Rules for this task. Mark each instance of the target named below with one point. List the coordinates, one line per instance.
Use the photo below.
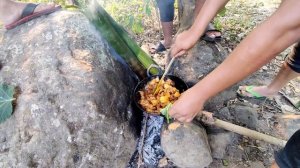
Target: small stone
(246, 115)
(56, 123)
(218, 143)
(115, 130)
(287, 108)
(163, 162)
(223, 113)
(265, 68)
(256, 164)
(69, 139)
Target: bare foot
(17, 8)
(262, 91)
(213, 34)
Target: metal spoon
(163, 76)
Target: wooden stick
(163, 76)
(242, 130)
(249, 133)
(290, 116)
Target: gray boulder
(71, 109)
(186, 145)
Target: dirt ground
(277, 116)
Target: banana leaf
(120, 40)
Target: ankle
(167, 43)
(272, 90)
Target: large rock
(186, 145)
(71, 108)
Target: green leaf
(148, 10)
(120, 40)
(71, 7)
(165, 112)
(222, 12)
(225, 162)
(131, 21)
(297, 104)
(6, 98)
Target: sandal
(209, 38)
(159, 48)
(29, 14)
(249, 89)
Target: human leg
(289, 156)
(11, 11)
(289, 70)
(166, 10)
(211, 34)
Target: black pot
(179, 84)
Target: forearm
(206, 14)
(267, 40)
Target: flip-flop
(159, 48)
(253, 94)
(206, 37)
(29, 14)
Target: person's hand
(187, 107)
(183, 42)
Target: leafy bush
(130, 14)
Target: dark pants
(294, 59)
(289, 156)
(166, 10)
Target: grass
(241, 17)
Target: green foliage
(217, 20)
(130, 14)
(6, 98)
(239, 18)
(297, 105)
(165, 112)
(225, 162)
(61, 2)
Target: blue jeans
(289, 156)
(166, 10)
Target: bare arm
(259, 47)
(206, 14)
(188, 39)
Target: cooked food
(154, 102)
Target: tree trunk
(185, 13)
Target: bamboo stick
(249, 133)
(207, 118)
